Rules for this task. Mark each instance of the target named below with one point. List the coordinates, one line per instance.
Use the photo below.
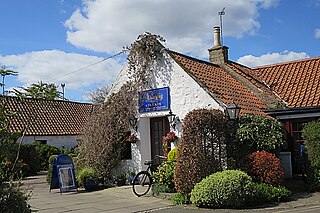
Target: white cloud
(271, 58)
(55, 66)
(107, 26)
(317, 33)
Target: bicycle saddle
(148, 162)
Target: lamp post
(232, 112)
(171, 118)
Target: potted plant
(88, 178)
(121, 179)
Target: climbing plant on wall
(103, 140)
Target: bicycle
(142, 182)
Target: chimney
(218, 54)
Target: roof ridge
(194, 59)
(285, 62)
(45, 100)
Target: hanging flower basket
(132, 139)
(166, 140)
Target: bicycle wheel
(141, 183)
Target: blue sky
(51, 40)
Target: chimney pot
(218, 54)
(216, 37)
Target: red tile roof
(296, 82)
(43, 117)
(223, 87)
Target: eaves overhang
(294, 113)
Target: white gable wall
(186, 95)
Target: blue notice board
(63, 175)
(154, 100)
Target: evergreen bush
(180, 199)
(226, 189)
(264, 167)
(267, 193)
(255, 133)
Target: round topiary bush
(226, 189)
(264, 167)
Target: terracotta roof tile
(296, 82)
(222, 86)
(45, 117)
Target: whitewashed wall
(186, 95)
(67, 141)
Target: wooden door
(159, 127)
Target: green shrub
(44, 152)
(180, 199)
(264, 167)
(255, 133)
(311, 132)
(29, 154)
(158, 188)
(86, 173)
(12, 200)
(266, 192)
(226, 189)
(172, 155)
(163, 176)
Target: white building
(183, 84)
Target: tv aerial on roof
(221, 13)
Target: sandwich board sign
(63, 175)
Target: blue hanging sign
(63, 175)
(154, 100)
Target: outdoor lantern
(171, 118)
(133, 123)
(233, 111)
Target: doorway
(159, 127)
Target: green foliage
(44, 152)
(40, 90)
(86, 173)
(164, 176)
(255, 133)
(311, 133)
(201, 149)
(226, 189)
(180, 199)
(51, 158)
(29, 154)
(172, 155)
(268, 193)
(264, 167)
(6, 72)
(158, 188)
(12, 200)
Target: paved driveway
(118, 199)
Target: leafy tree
(99, 95)
(5, 72)
(40, 90)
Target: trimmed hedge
(226, 189)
